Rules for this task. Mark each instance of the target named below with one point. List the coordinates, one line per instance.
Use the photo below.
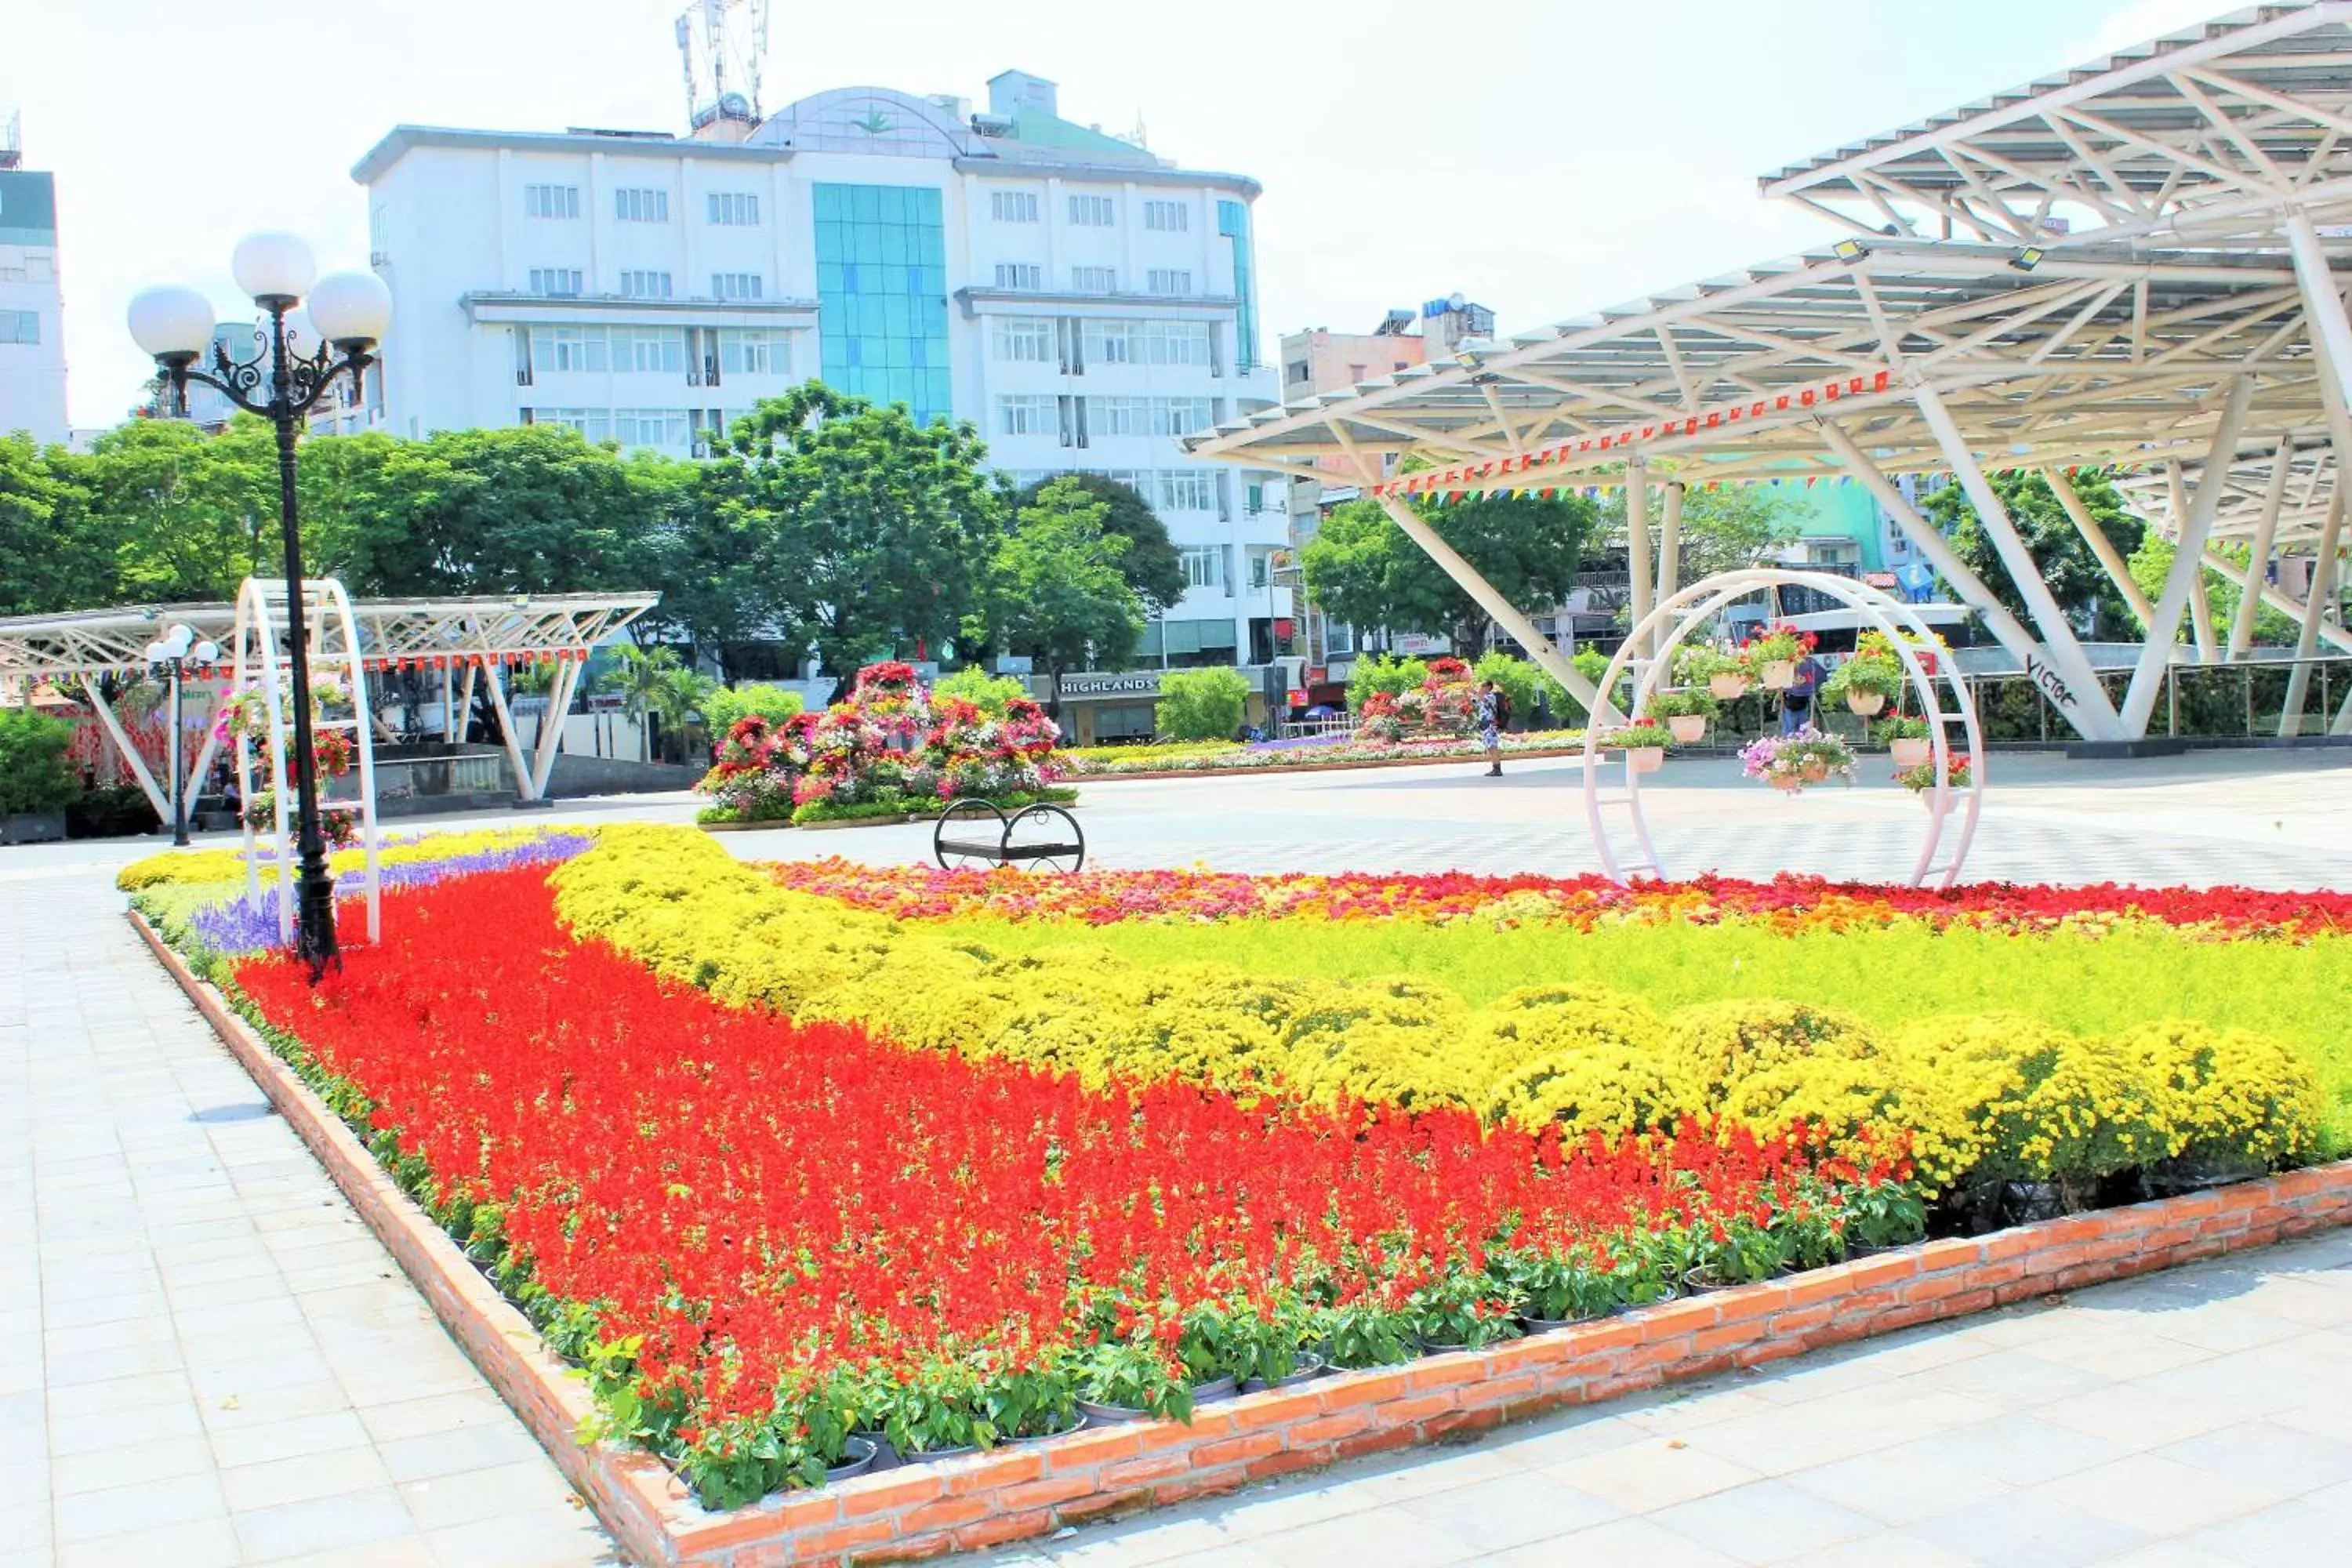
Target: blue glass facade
(1233, 222)
(882, 296)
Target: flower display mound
(758, 1236)
(1445, 705)
(891, 747)
(1189, 757)
(1235, 1006)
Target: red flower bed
(758, 1236)
(1103, 897)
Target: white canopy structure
(2190, 321)
(456, 636)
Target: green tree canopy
(1056, 592)
(2076, 580)
(1151, 563)
(533, 508)
(2151, 564)
(1722, 529)
(1362, 569)
(55, 553)
(870, 532)
(195, 514)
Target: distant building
(1082, 301)
(32, 304)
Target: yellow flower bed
(228, 865)
(2002, 1095)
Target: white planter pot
(1688, 728)
(1779, 675)
(1909, 754)
(1646, 759)
(1866, 703)
(1727, 688)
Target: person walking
(1493, 712)
(1797, 702)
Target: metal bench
(973, 832)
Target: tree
(2075, 578)
(2151, 564)
(1362, 569)
(988, 692)
(195, 514)
(1721, 530)
(723, 706)
(1202, 704)
(1056, 592)
(533, 508)
(654, 684)
(55, 553)
(1151, 565)
(868, 531)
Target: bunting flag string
(1450, 482)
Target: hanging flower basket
(1725, 674)
(1686, 714)
(1779, 674)
(1773, 653)
(1791, 762)
(1910, 753)
(1688, 729)
(1868, 704)
(1921, 780)
(1728, 687)
(1643, 743)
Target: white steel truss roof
(2098, 354)
(101, 642)
(2209, 131)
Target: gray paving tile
(1765, 1520)
(1511, 1510)
(2028, 1527)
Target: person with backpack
(1493, 712)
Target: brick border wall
(990, 1499)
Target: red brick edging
(988, 1498)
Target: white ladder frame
(1694, 607)
(334, 648)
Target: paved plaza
(207, 1359)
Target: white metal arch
(1694, 607)
(332, 648)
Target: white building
(32, 337)
(1080, 300)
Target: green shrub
(975, 684)
(33, 773)
(1202, 704)
(1383, 673)
(723, 705)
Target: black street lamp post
(174, 651)
(281, 382)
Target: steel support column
(2118, 572)
(147, 785)
(2241, 628)
(526, 782)
(1465, 577)
(2007, 630)
(2061, 656)
(1638, 598)
(2315, 605)
(2187, 562)
(2323, 306)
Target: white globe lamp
(272, 267)
(171, 322)
(351, 310)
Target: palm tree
(654, 684)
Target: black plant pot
(857, 1457)
(1309, 1369)
(1078, 1418)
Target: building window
(1298, 371)
(1019, 275)
(734, 209)
(1170, 217)
(1090, 212)
(644, 285)
(20, 326)
(649, 350)
(1170, 280)
(556, 282)
(735, 285)
(1186, 489)
(652, 426)
(1204, 567)
(754, 352)
(1190, 644)
(1149, 415)
(882, 295)
(551, 201)
(568, 349)
(596, 424)
(1027, 415)
(1012, 206)
(1233, 223)
(641, 204)
(1026, 338)
(1108, 341)
(1094, 279)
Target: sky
(1555, 157)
